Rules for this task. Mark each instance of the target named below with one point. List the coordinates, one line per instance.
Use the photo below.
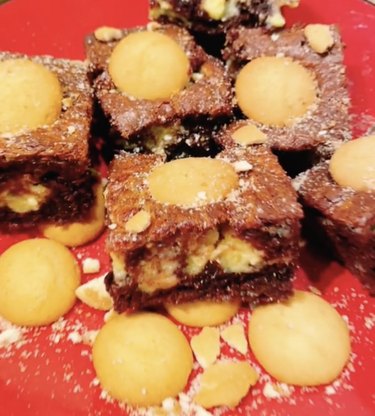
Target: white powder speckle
(10, 336)
(242, 166)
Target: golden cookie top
(30, 96)
(353, 164)
(149, 65)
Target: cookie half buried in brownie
(291, 85)
(45, 115)
(155, 77)
(339, 197)
(201, 228)
(208, 20)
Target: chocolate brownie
(315, 134)
(216, 17)
(239, 238)
(45, 173)
(343, 217)
(208, 20)
(206, 95)
(179, 139)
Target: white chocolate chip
(138, 222)
(197, 76)
(214, 8)
(67, 102)
(319, 37)
(107, 34)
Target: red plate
(49, 374)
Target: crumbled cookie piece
(249, 134)
(225, 383)
(319, 37)
(234, 335)
(94, 294)
(138, 222)
(206, 346)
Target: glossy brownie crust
(208, 95)
(345, 217)
(56, 156)
(263, 212)
(326, 124)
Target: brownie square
(208, 93)
(343, 217)
(53, 160)
(209, 20)
(325, 125)
(244, 246)
(212, 18)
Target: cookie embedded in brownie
(201, 228)
(291, 85)
(45, 173)
(156, 77)
(339, 199)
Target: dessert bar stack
(45, 169)
(201, 228)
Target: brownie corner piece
(45, 172)
(325, 123)
(341, 220)
(239, 239)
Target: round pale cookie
(203, 313)
(142, 359)
(38, 279)
(302, 341)
(275, 91)
(249, 134)
(79, 233)
(149, 65)
(192, 181)
(353, 164)
(30, 96)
